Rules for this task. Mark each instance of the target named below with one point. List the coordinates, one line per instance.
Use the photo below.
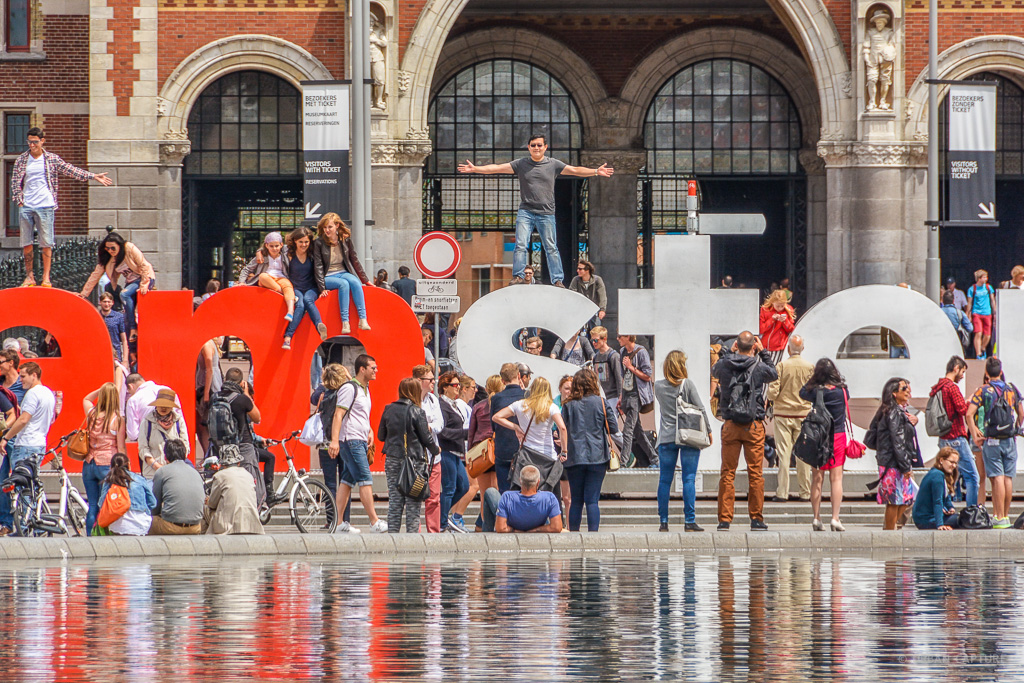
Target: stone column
(817, 227)
(613, 223)
(398, 199)
(144, 204)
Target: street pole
(932, 264)
(359, 103)
(367, 87)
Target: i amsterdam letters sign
(325, 143)
(972, 154)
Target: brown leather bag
(480, 457)
(78, 444)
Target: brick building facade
(114, 83)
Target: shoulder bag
(613, 461)
(312, 433)
(854, 449)
(480, 457)
(691, 425)
(815, 445)
(78, 444)
(550, 469)
(413, 475)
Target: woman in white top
(535, 414)
(269, 269)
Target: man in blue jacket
(506, 443)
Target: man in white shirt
(432, 407)
(140, 394)
(351, 436)
(37, 414)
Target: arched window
(247, 123)
(486, 113)
(722, 117)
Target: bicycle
(32, 513)
(310, 503)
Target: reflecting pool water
(763, 618)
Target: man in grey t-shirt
(537, 175)
(179, 492)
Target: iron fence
(73, 260)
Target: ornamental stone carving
(622, 160)
(408, 152)
(403, 80)
(880, 51)
(172, 153)
(912, 154)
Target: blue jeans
(129, 297)
(968, 468)
(688, 459)
(332, 467)
(501, 471)
(305, 303)
(454, 484)
(36, 219)
(526, 221)
(948, 520)
(346, 283)
(356, 471)
(92, 478)
(489, 509)
(585, 487)
(6, 516)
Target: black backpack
(221, 421)
(1001, 418)
(741, 399)
(815, 445)
(329, 403)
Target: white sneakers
(380, 527)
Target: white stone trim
(988, 53)
(236, 53)
(555, 57)
(763, 51)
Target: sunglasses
(453, 384)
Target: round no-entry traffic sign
(437, 255)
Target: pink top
(102, 444)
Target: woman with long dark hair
(137, 520)
(117, 257)
(837, 401)
(586, 459)
(336, 267)
(307, 289)
(893, 435)
(404, 431)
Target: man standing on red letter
(34, 190)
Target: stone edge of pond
(955, 542)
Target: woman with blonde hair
(106, 429)
(332, 378)
(677, 383)
(536, 414)
(269, 269)
(778, 319)
(336, 266)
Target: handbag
(78, 444)
(854, 449)
(312, 433)
(413, 477)
(691, 424)
(480, 457)
(975, 517)
(550, 470)
(371, 451)
(815, 444)
(614, 463)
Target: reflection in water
(764, 618)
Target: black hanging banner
(325, 147)
(972, 155)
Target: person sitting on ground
(180, 497)
(933, 507)
(336, 266)
(163, 425)
(269, 269)
(525, 511)
(231, 507)
(137, 520)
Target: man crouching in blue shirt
(523, 511)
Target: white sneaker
(346, 328)
(363, 325)
(379, 527)
(346, 528)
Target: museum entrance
(997, 250)
(734, 128)
(242, 178)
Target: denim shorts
(353, 457)
(36, 219)
(1000, 456)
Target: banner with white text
(972, 154)
(325, 147)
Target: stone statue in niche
(378, 62)
(879, 57)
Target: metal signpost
(437, 255)
(325, 128)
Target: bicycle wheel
(76, 518)
(266, 512)
(312, 512)
(24, 515)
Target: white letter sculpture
(485, 334)
(925, 329)
(682, 313)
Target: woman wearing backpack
(837, 401)
(137, 520)
(106, 429)
(676, 383)
(404, 431)
(333, 377)
(894, 439)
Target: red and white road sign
(437, 255)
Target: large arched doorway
(243, 176)
(487, 112)
(997, 250)
(735, 129)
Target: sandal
(46, 283)
(28, 282)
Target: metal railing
(73, 260)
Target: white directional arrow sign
(311, 213)
(987, 212)
(731, 224)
